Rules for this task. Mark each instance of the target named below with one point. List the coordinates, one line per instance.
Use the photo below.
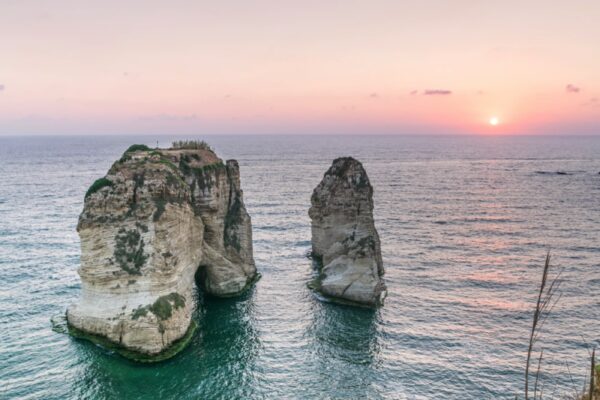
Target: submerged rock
(345, 243)
(553, 173)
(157, 220)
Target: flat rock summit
(345, 243)
(157, 223)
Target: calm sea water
(464, 223)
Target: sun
(494, 121)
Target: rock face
(345, 243)
(157, 221)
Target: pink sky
(193, 67)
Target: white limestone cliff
(156, 219)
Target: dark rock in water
(344, 239)
(553, 173)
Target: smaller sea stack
(345, 243)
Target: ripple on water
(464, 223)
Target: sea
(465, 225)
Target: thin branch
(592, 372)
(572, 381)
(537, 375)
(587, 345)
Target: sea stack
(345, 243)
(159, 221)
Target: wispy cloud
(414, 92)
(374, 95)
(437, 92)
(1, 87)
(570, 88)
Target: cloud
(570, 88)
(437, 92)
(374, 95)
(1, 88)
(414, 92)
(593, 102)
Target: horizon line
(112, 134)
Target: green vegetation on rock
(183, 164)
(203, 178)
(164, 305)
(97, 185)
(176, 347)
(137, 147)
(129, 251)
(139, 312)
(134, 147)
(160, 208)
(191, 145)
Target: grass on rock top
(97, 185)
(191, 145)
(137, 147)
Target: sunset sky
(199, 67)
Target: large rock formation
(157, 220)
(345, 243)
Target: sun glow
(494, 121)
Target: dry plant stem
(575, 392)
(537, 375)
(592, 373)
(536, 317)
(543, 308)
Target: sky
(299, 67)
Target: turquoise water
(464, 223)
